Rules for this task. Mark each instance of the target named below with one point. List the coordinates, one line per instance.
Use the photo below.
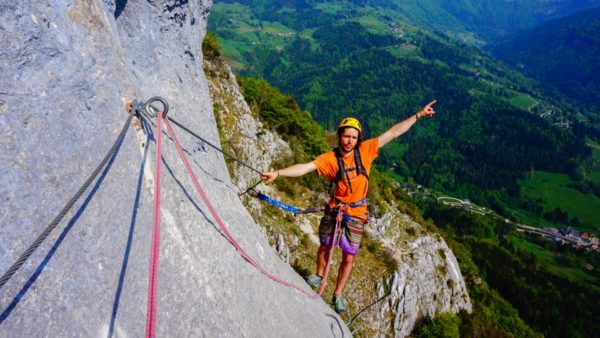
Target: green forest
(484, 248)
(482, 141)
(492, 314)
(501, 138)
(557, 304)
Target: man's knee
(347, 259)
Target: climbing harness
(38, 241)
(355, 204)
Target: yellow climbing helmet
(350, 122)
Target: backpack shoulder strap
(360, 169)
(340, 161)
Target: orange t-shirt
(327, 166)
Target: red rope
(334, 242)
(155, 244)
(230, 237)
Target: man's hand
(427, 111)
(292, 171)
(269, 176)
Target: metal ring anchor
(151, 110)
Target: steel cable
(21, 260)
(213, 146)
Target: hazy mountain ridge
(487, 20)
(563, 54)
(490, 19)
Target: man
(349, 166)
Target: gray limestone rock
(65, 68)
(282, 249)
(428, 280)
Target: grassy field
(331, 7)
(551, 261)
(531, 219)
(594, 175)
(276, 27)
(595, 148)
(554, 190)
(406, 51)
(374, 24)
(522, 101)
(243, 32)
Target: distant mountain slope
(341, 61)
(563, 53)
(490, 19)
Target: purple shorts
(350, 235)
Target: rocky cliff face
(65, 68)
(428, 280)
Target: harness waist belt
(354, 204)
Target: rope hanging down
(155, 243)
(230, 237)
(38, 241)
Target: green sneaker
(340, 305)
(314, 281)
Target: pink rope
(230, 237)
(155, 244)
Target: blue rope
(278, 204)
(295, 211)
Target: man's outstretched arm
(405, 125)
(291, 171)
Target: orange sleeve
(369, 149)
(326, 165)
